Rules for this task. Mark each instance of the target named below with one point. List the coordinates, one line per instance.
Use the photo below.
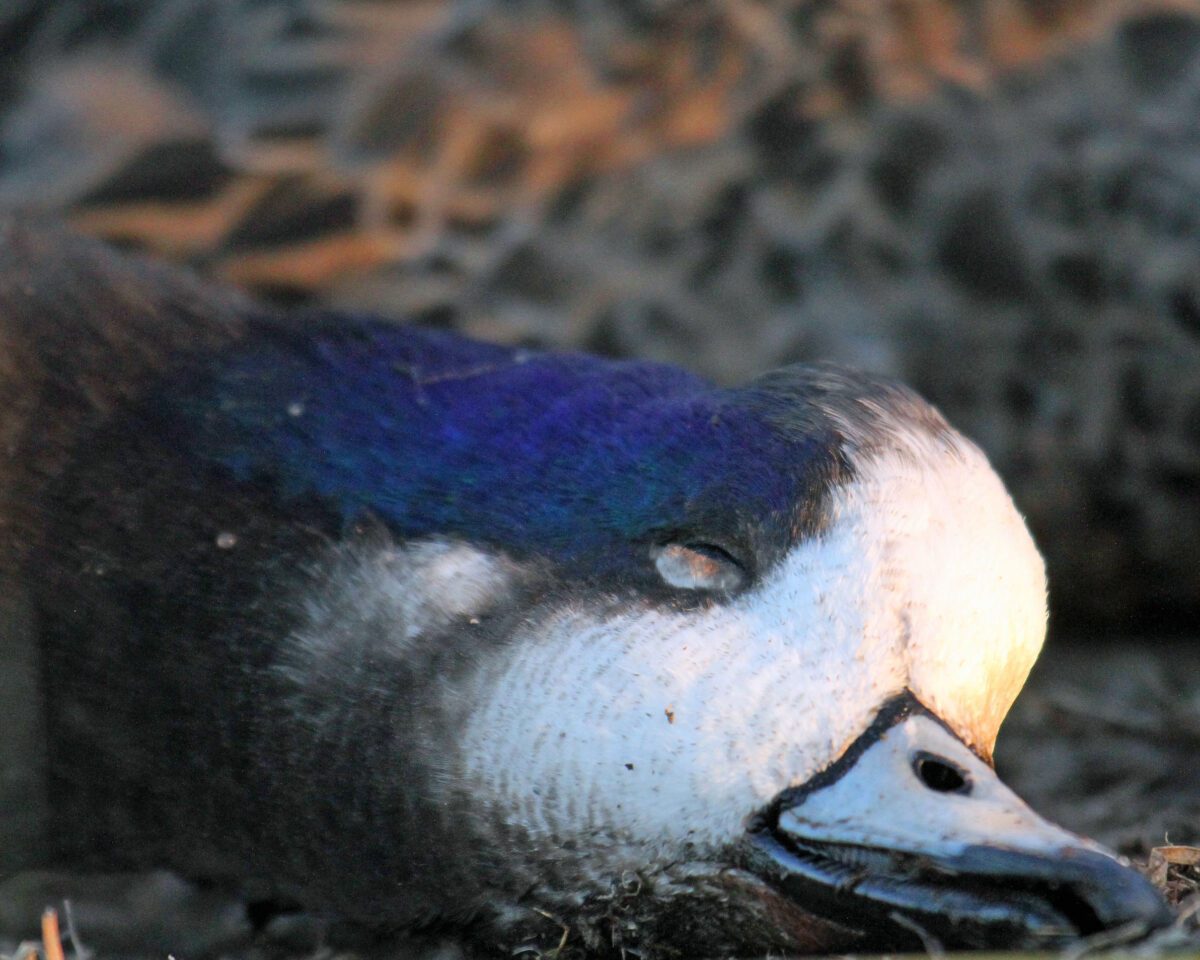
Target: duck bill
(911, 838)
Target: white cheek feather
(449, 581)
(662, 727)
(415, 589)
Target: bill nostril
(940, 774)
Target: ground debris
(1175, 870)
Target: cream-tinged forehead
(664, 725)
(962, 569)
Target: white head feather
(626, 725)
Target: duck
(422, 632)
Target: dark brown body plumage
(81, 329)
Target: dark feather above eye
(699, 566)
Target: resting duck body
(419, 630)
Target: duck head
(805, 730)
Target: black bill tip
(1094, 892)
(984, 897)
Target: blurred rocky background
(996, 200)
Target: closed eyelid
(698, 567)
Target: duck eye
(698, 566)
